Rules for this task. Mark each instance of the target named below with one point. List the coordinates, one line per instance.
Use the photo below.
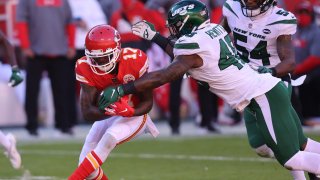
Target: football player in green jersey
(205, 52)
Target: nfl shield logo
(128, 77)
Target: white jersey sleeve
(228, 11)
(284, 21)
(187, 45)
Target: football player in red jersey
(105, 65)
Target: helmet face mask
(174, 28)
(255, 8)
(186, 16)
(105, 62)
(102, 49)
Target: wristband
(274, 72)
(15, 68)
(161, 41)
(129, 88)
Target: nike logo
(125, 110)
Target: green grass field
(194, 158)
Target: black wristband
(129, 88)
(274, 72)
(161, 41)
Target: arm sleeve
(224, 9)
(287, 26)
(227, 9)
(187, 46)
(143, 64)
(71, 33)
(80, 74)
(23, 34)
(307, 65)
(21, 24)
(70, 26)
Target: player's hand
(109, 96)
(15, 78)
(144, 29)
(120, 108)
(262, 70)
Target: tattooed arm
(174, 71)
(88, 103)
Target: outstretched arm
(157, 78)
(154, 79)
(146, 30)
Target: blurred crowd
(50, 38)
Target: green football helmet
(186, 16)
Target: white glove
(144, 29)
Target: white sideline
(154, 156)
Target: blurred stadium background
(194, 154)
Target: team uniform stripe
(93, 161)
(289, 21)
(100, 174)
(230, 9)
(81, 78)
(96, 157)
(144, 68)
(187, 46)
(267, 116)
(136, 132)
(82, 61)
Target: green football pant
(276, 124)
(254, 135)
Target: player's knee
(91, 139)
(111, 141)
(105, 146)
(295, 162)
(264, 151)
(107, 142)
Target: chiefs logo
(128, 77)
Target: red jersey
(132, 64)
